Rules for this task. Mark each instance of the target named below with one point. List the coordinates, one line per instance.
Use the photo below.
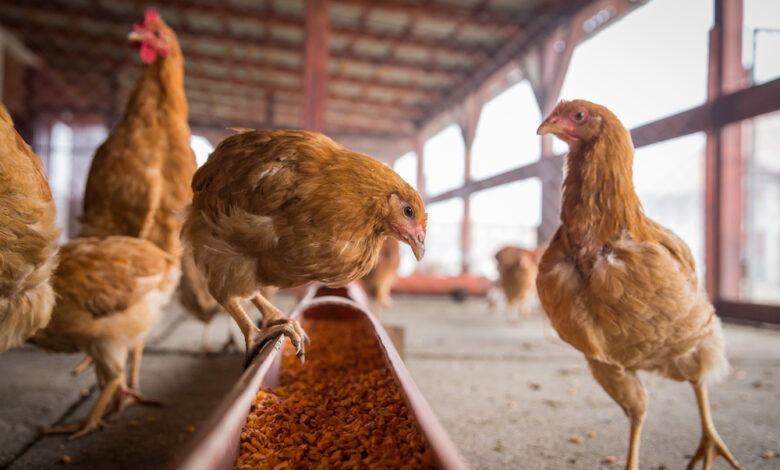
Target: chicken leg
(94, 419)
(711, 444)
(627, 390)
(274, 324)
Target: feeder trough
(217, 445)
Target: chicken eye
(409, 212)
(579, 116)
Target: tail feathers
(24, 314)
(706, 362)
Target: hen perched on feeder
(284, 208)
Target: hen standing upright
(139, 180)
(284, 208)
(110, 292)
(140, 176)
(621, 288)
(28, 239)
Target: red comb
(560, 103)
(151, 16)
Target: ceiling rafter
(271, 47)
(123, 21)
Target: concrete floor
(508, 397)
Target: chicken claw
(271, 331)
(710, 447)
(126, 395)
(77, 429)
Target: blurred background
(449, 93)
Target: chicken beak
(134, 36)
(549, 126)
(418, 247)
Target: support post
(468, 121)
(723, 159)
(315, 68)
(418, 143)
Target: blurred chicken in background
(28, 239)
(379, 280)
(139, 180)
(621, 288)
(517, 268)
(109, 293)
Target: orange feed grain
(341, 410)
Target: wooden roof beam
(315, 65)
(118, 21)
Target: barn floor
(508, 397)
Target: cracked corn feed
(341, 410)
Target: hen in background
(28, 239)
(380, 279)
(621, 288)
(139, 180)
(517, 268)
(284, 208)
(110, 292)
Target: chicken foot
(94, 419)
(274, 324)
(127, 395)
(711, 444)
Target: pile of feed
(341, 410)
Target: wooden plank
(517, 174)
(748, 311)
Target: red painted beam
(315, 67)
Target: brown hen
(28, 239)
(284, 208)
(139, 180)
(517, 269)
(110, 292)
(380, 279)
(140, 176)
(621, 288)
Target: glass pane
(762, 224)
(60, 173)
(669, 179)
(506, 135)
(761, 39)
(444, 161)
(442, 243)
(648, 65)
(202, 148)
(406, 167)
(505, 215)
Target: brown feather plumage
(28, 239)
